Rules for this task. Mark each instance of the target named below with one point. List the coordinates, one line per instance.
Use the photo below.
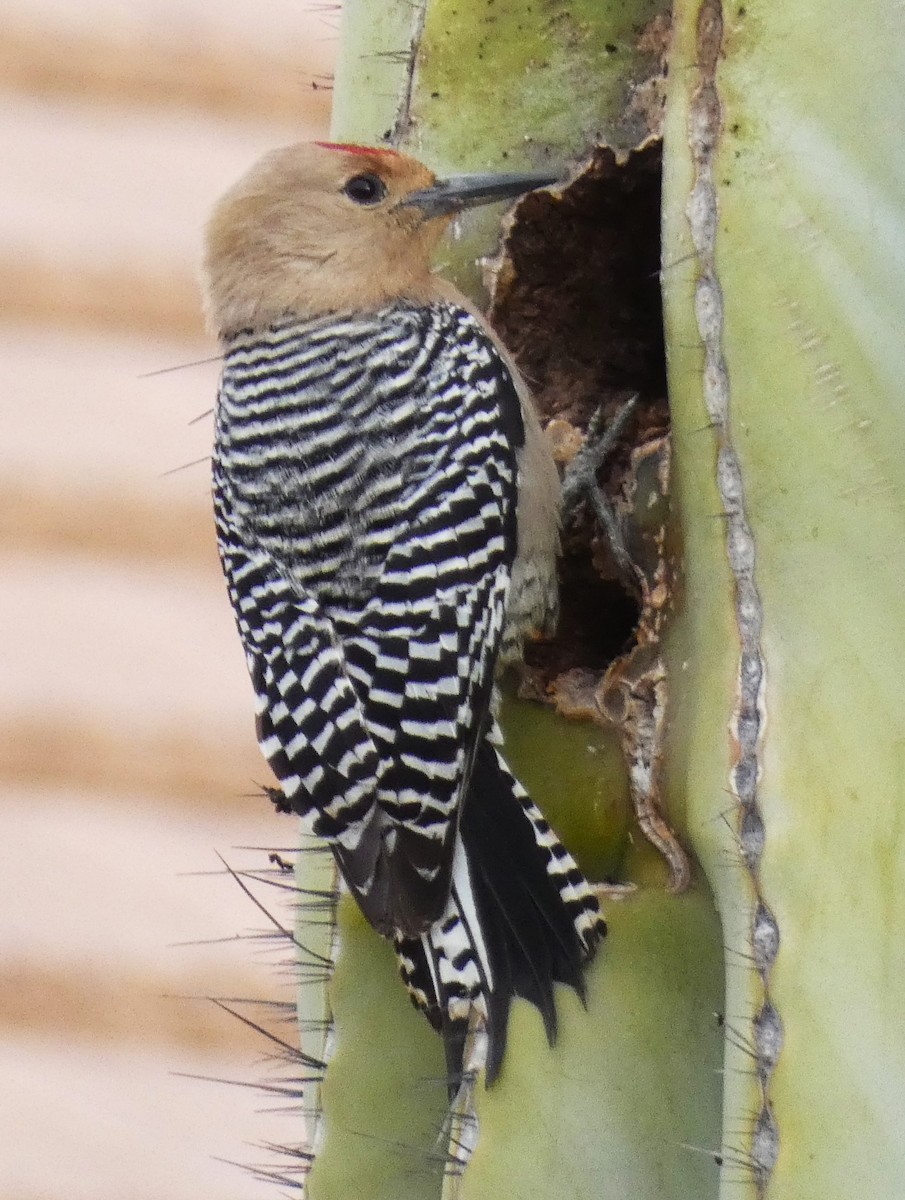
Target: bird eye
(365, 189)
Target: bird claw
(613, 891)
(580, 480)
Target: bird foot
(580, 480)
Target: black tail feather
(534, 938)
(525, 916)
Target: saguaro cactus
(745, 1038)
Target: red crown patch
(351, 148)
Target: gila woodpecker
(387, 516)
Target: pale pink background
(126, 750)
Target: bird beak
(451, 195)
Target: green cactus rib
(624, 1105)
(383, 1098)
(727, 653)
(799, 255)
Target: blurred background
(127, 758)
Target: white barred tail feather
(520, 918)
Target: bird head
(320, 227)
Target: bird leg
(580, 480)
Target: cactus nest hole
(577, 300)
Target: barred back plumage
(365, 488)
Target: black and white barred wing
(370, 720)
(310, 722)
(372, 683)
(422, 654)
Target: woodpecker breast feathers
(387, 518)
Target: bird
(387, 516)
